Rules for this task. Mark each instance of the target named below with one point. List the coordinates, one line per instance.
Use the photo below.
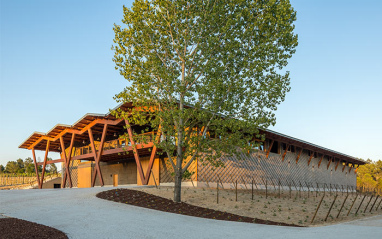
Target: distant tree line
(369, 176)
(25, 166)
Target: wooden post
(319, 204)
(300, 189)
(252, 189)
(368, 203)
(44, 164)
(217, 192)
(327, 215)
(35, 167)
(374, 203)
(360, 204)
(236, 189)
(308, 188)
(255, 183)
(352, 204)
(342, 205)
(317, 189)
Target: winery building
(93, 154)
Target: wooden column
(97, 155)
(152, 157)
(36, 167)
(67, 160)
(135, 151)
(44, 165)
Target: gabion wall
(73, 168)
(273, 170)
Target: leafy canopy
(204, 69)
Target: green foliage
(26, 166)
(29, 166)
(52, 168)
(370, 175)
(12, 167)
(208, 73)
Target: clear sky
(56, 65)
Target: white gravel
(80, 214)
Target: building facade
(93, 154)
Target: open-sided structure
(91, 148)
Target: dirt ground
(297, 208)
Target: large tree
(208, 73)
(12, 167)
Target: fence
(327, 202)
(7, 179)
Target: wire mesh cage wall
(73, 169)
(275, 171)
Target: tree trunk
(178, 186)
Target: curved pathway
(80, 214)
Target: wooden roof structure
(104, 127)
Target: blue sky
(55, 66)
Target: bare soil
(142, 199)
(13, 228)
(295, 208)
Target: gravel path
(80, 214)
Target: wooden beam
(269, 148)
(52, 161)
(114, 151)
(67, 160)
(298, 156)
(350, 168)
(78, 132)
(286, 149)
(337, 165)
(135, 151)
(36, 167)
(97, 155)
(67, 171)
(152, 157)
(311, 156)
(44, 165)
(319, 163)
(343, 168)
(330, 160)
